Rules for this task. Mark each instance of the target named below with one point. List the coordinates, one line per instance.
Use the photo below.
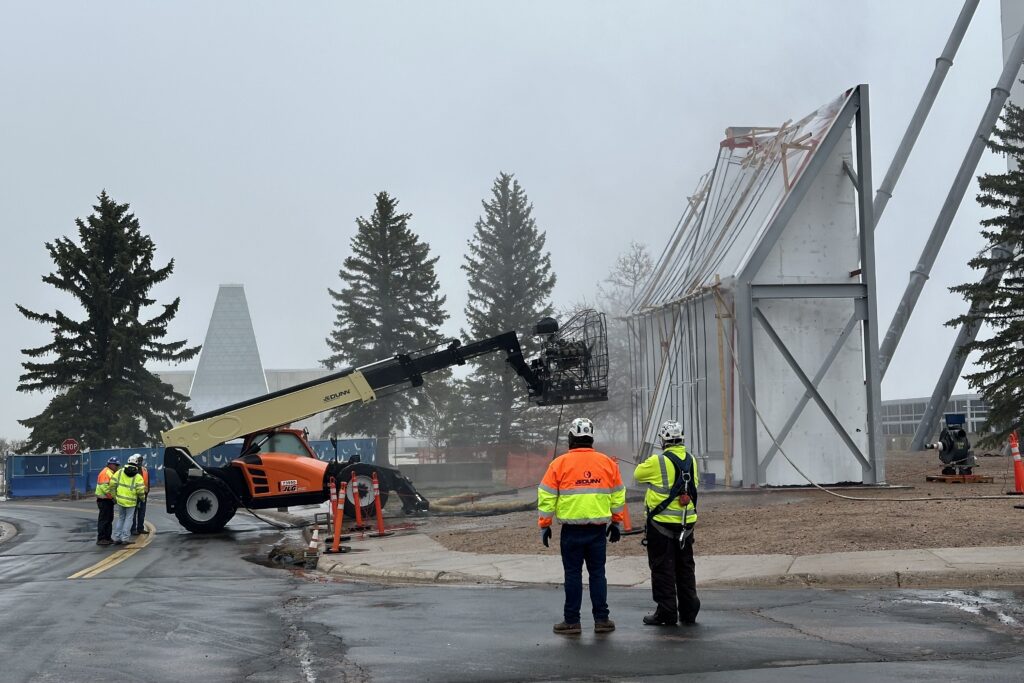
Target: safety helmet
(113, 461)
(581, 428)
(135, 459)
(671, 432)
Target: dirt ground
(802, 522)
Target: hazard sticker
(289, 485)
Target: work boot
(104, 541)
(657, 619)
(143, 531)
(564, 629)
(604, 626)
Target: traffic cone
(627, 525)
(380, 515)
(1018, 466)
(338, 502)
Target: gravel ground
(801, 522)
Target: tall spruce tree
(389, 303)
(998, 299)
(97, 365)
(510, 284)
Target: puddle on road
(1007, 607)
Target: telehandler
(277, 467)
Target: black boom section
(405, 368)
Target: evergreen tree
(999, 301)
(97, 365)
(510, 284)
(389, 303)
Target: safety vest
(581, 486)
(103, 483)
(128, 491)
(145, 477)
(659, 474)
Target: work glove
(545, 536)
(613, 533)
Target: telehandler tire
(205, 506)
(364, 480)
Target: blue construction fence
(55, 475)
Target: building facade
(900, 417)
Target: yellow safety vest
(103, 483)
(128, 491)
(659, 474)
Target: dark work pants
(105, 523)
(673, 582)
(584, 543)
(139, 521)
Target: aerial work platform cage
(758, 326)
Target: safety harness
(683, 485)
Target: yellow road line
(117, 557)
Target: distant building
(229, 368)
(901, 417)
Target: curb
(897, 580)
(366, 571)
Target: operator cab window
(284, 443)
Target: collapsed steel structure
(770, 272)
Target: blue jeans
(123, 522)
(584, 543)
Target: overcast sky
(247, 136)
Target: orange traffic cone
(1018, 466)
(381, 531)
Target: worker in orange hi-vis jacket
(583, 488)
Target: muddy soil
(802, 522)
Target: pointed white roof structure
(229, 368)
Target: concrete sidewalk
(413, 556)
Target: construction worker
(671, 502)
(583, 488)
(139, 520)
(128, 489)
(105, 503)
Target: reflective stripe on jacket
(659, 474)
(103, 483)
(582, 486)
(128, 491)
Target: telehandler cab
(277, 467)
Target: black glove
(613, 533)
(545, 536)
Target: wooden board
(960, 478)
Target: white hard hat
(581, 428)
(135, 459)
(671, 432)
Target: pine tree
(97, 365)
(999, 301)
(389, 303)
(510, 285)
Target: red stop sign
(69, 447)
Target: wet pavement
(191, 607)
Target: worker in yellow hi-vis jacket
(671, 502)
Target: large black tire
(364, 480)
(204, 506)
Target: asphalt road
(194, 608)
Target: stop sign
(69, 447)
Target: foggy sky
(248, 136)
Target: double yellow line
(117, 557)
